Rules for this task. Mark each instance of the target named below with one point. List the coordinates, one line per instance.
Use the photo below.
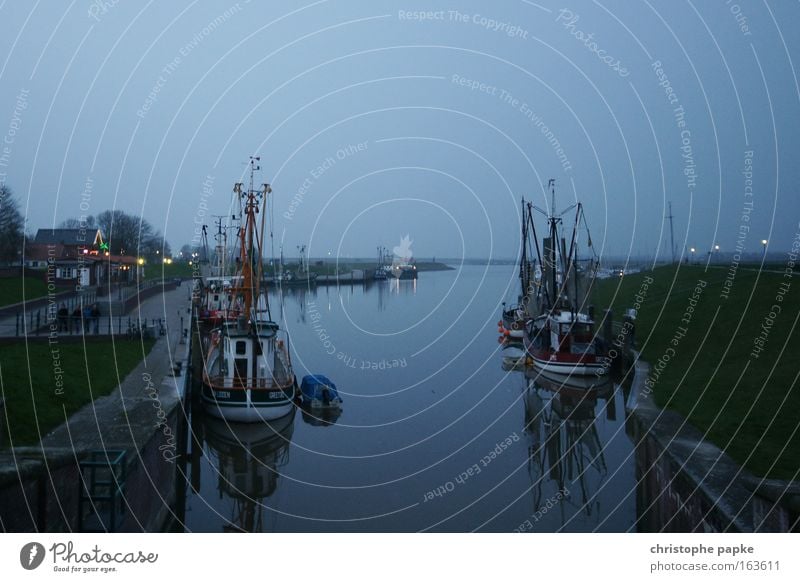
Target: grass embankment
(29, 381)
(745, 400)
(11, 290)
(180, 269)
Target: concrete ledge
(733, 499)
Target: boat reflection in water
(248, 458)
(566, 461)
(320, 416)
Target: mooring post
(630, 323)
(608, 330)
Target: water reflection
(566, 462)
(415, 427)
(320, 417)
(248, 458)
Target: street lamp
(692, 250)
(764, 249)
(716, 250)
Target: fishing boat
(562, 338)
(247, 369)
(300, 277)
(381, 270)
(515, 317)
(213, 285)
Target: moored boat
(565, 342)
(247, 369)
(562, 339)
(317, 391)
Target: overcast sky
(374, 121)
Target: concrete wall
(688, 484)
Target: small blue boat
(319, 392)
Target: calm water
(434, 434)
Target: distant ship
(404, 271)
(381, 269)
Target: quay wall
(687, 484)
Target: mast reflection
(565, 449)
(248, 458)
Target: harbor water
(435, 433)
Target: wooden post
(608, 330)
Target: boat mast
(249, 204)
(572, 261)
(220, 247)
(553, 219)
(302, 269)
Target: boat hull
(248, 406)
(577, 383)
(577, 368)
(565, 363)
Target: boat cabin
(567, 335)
(245, 360)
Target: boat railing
(225, 383)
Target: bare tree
(12, 227)
(87, 223)
(124, 233)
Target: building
(79, 257)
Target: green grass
(34, 398)
(176, 269)
(747, 405)
(11, 290)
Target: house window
(241, 347)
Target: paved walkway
(126, 419)
(26, 318)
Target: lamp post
(764, 249)
(716, 250)
(692, 250)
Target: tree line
(125, 234)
